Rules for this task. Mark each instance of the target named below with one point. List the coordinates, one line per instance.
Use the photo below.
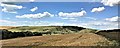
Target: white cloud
(110, 2)
(116, 18)
(103, 25)
(7, 18)
(10, 8)
(73, 14)
(9, 11)
(91, 18)
(68, 18)
(34, 9)
(99, 9)
(56, 24)
(25, 21)
(38, 15)
(32, 0)
(6, 21)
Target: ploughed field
(83, 39)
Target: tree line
(5, 34)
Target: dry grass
(85, 39)
(6, 27)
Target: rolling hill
(44, 28)
(58, 29)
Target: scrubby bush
(108, 43)
(88, 31)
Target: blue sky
(50, 0)
(94, 15)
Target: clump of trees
(5, 34)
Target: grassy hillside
(67, 29)
(110, 34)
